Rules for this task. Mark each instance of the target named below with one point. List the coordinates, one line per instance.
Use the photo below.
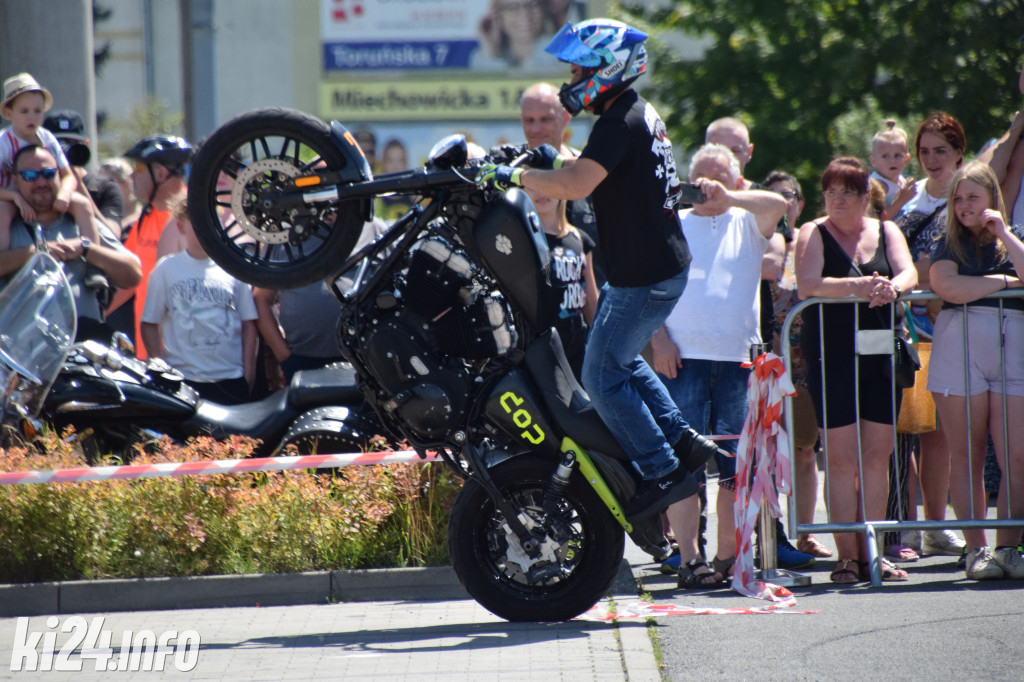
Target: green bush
(266, 522)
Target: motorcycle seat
(570, 405)
(269, 419)
(335, 385)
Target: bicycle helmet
(169, 151)
(611, 54)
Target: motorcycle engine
(440, 314)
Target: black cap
(66, 123)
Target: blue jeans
(627, 394)
(722, 387)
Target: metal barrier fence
(870, 527)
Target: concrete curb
(287, 589)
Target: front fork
(647, 533)
(571, 450)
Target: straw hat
(24, 82)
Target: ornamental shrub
(264, 522)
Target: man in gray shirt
(66, 241)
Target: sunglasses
(33, 175)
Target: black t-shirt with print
(568, 263)
(636, 205)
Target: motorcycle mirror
(123, 344)
(450, 152)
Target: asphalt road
(936, 626)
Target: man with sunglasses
(75, 238)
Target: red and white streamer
(646, 609)
(219, 466)
(763, 435)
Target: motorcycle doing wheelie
(116, 402)
(448, 329)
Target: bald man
(544, 121)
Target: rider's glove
(498, 177)
(545, 157)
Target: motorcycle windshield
(37, 327)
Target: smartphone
(691, 194)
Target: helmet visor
(568, 47)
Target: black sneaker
(694, 450)
(653, 496)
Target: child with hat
(24, 103)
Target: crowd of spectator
(734, 265)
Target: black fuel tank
(510, 240)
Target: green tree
(799, 72)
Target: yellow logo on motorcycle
(509, 401)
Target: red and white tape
(764, 435)
(646, 609)
(219, 466)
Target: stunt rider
(628, 167)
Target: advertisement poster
(490, 35)
(402, 74)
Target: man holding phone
(728, 233)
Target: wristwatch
(86, 245)
(896, 288)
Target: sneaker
(670, 566)
(922, 323)
(981, 566)
(657, 494)
(788, 556)
(941, 542)
(694, 450)
(1010, 560)
(962, 561)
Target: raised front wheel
(247, 212)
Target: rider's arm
(575, 180)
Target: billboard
(491, 35)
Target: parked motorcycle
(116, 401)
(449, 331)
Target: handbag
(917, 410)
(906, 362)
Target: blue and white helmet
(611, 54)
